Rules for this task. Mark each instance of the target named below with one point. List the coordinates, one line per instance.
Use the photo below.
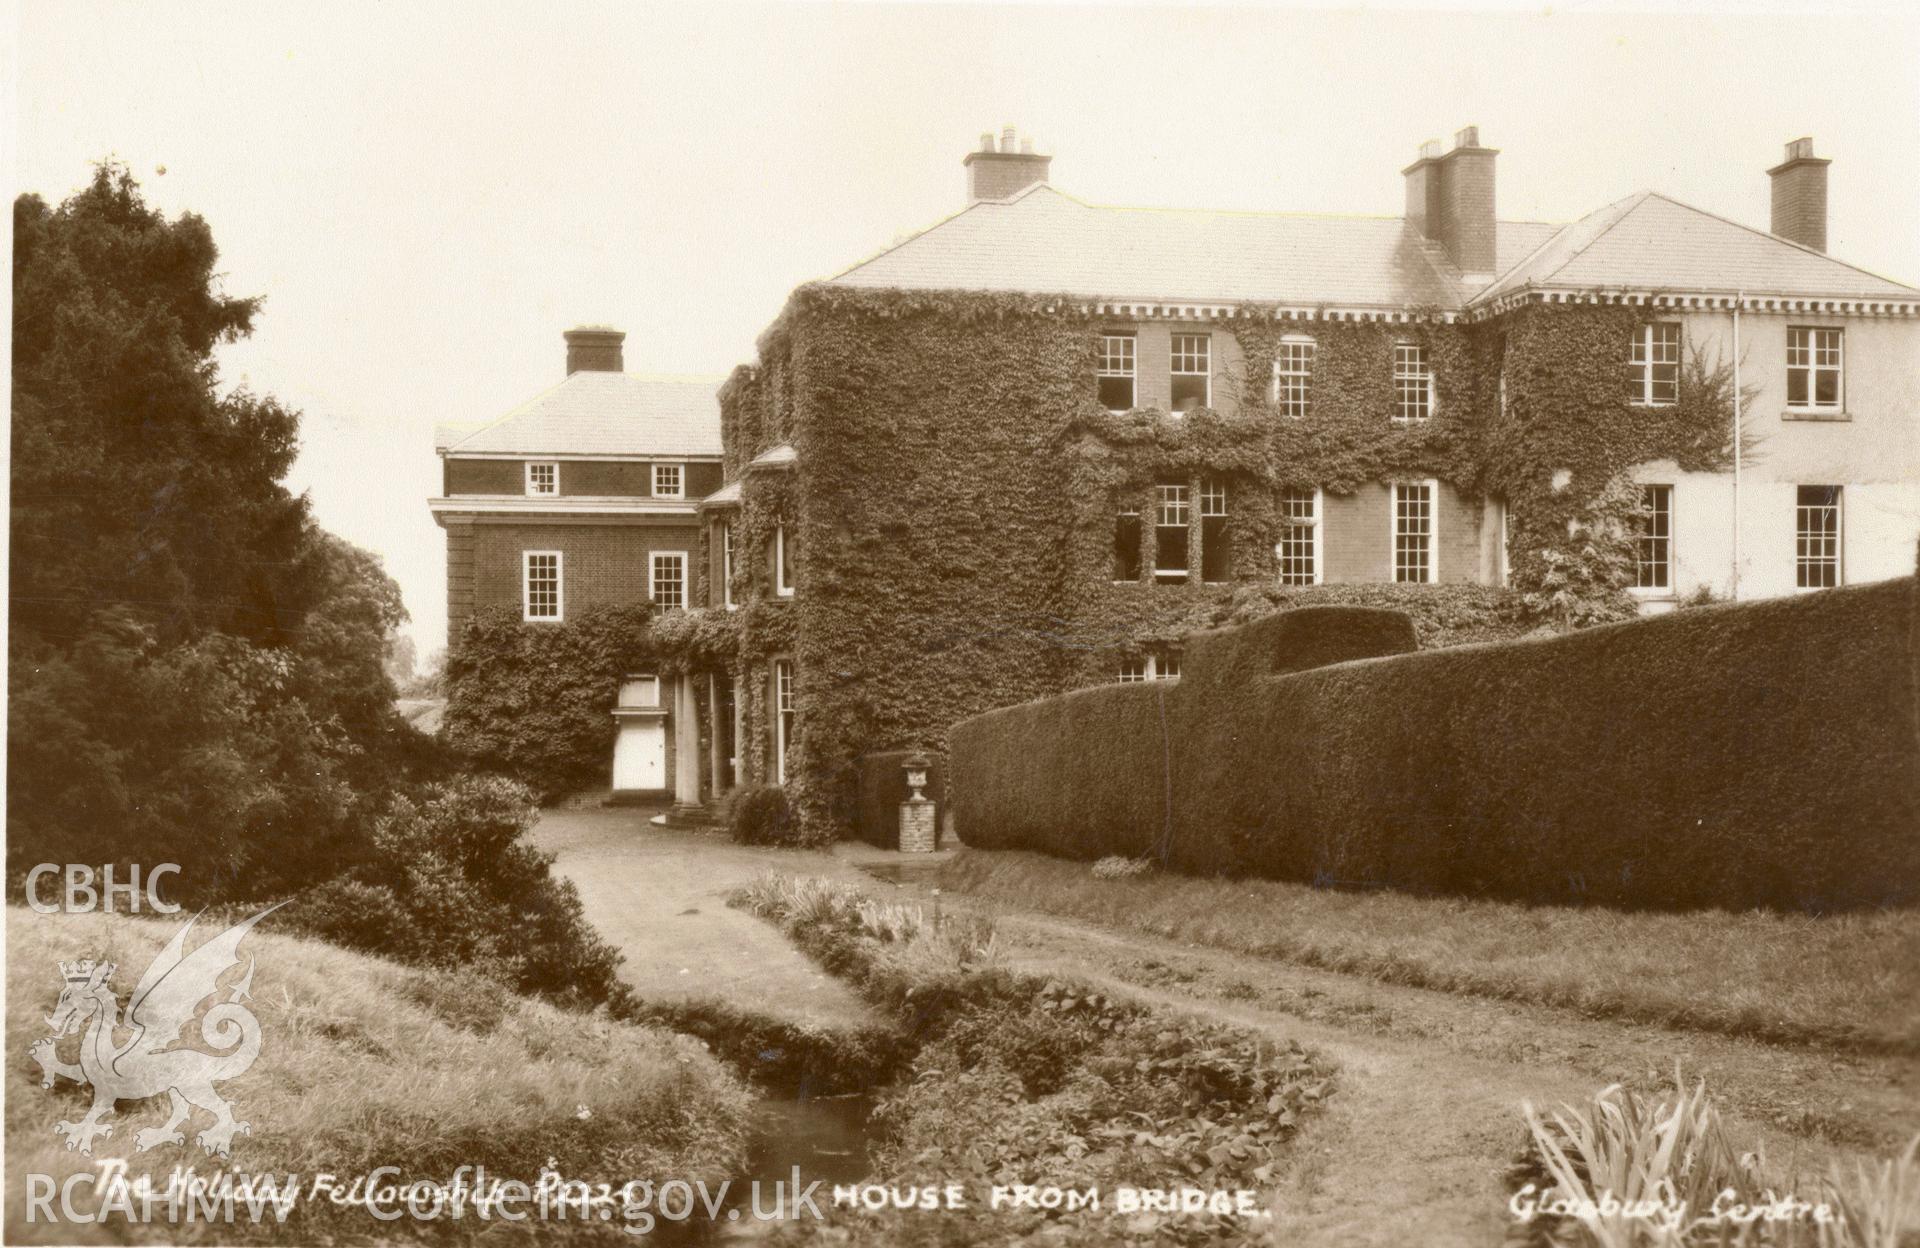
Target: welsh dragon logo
(177, 989)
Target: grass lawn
(1848, 980)
(364, 1064)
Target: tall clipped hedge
(1750, 755)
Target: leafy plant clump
(762, 815)
(1116, 867)
(1021, 1079)
(1628, 1171)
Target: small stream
(826, 1137)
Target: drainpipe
(1739, 298)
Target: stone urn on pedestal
(919, 833)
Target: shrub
(1748, 755)
(452, 883)
(761, 815)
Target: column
(716, 756)
(686, 744)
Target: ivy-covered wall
(956, 486)
(953, 500)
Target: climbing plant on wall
(1561, 446)
(957, 485)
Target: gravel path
(1415, 1145)
(659, 894)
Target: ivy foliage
(1560, 448)
(535, 701)
(959, 483)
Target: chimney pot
(1800, 196)
(1005, 171)
(594, 349)
(1467, 136)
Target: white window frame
(1174, 369)
(1814, 368)
(726, 564)
(532, 488)
(780, 585)
(1839, 560)
(653, 577)
(1506, 568)
(1644, 356)
(784, 705)
(1656, 591)
(1144, 670)
(1318, 526)
(1279, 393)
(1432, 486)
(559, 586)
(1403, 374)
(1104, 366)
(1162, 500)
(679, 488)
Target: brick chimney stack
(1005, 171)
(1800, 196)
(594, 349)
(1450, 199)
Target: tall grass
(947, 939)
(1636, 1172)
(366, 1063)
(1855, 980)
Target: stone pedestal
(919, 834)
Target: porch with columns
(694, 794)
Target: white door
(640, 755)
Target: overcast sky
(427, 195)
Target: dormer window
(543, 479)
(1115, 372)
(668, 482)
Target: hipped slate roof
(1649, 242)
(1045, 240)
(598, 413)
